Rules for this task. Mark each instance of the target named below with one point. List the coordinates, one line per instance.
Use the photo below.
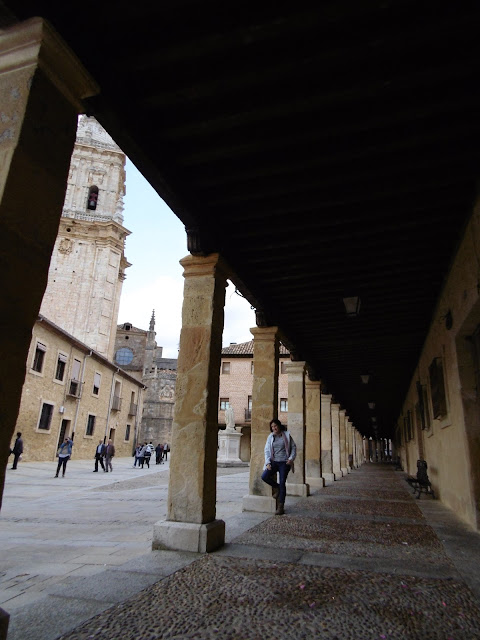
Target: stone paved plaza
(360, 559)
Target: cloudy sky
(154, 281)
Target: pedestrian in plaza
(109, 453)
(280, 452)
(17, 450)
(64, 453)
(147, 454)
(99, 455)
(159, 454)
(166, 449)
(138, 449)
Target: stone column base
(302, 490)
(188, 536)
(261, 504)
(4, 620)
(328, 477)
(344, 471)
(315, 482)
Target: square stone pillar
(42, 85)
(191, 523)
(296, 483)
(335, 409)
(326, 437)
(264, 410)
(343, 442)
(348, 444)
(313, 464)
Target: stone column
(42, 85)
(343, 442)
(313, 466)
(296, 484)
(326, 438)
(191, 523)
(348, 448)
(264, 410)
(336, 441)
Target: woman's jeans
(62, 461)
(270, 477)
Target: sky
(155, 281)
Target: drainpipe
(82, 382)
(110, 405)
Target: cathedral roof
(246, 349)
(123, 327)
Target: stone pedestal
(264, 410)
(229, 449)
(296, 483)
(188, 536)
(191, 523)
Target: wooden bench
(421, 482)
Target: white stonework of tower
(88, 263)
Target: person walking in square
(99, 455)
(109, 453)
(159, 454)
(64, 453)
(166, 449)
(17, 450)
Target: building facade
(71, 390)
(236, 384)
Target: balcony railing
(133, 409)
(74, 389)
(248, 415)
(116, 403)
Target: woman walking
(280, 452)
(64, 453)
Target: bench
(421, 482)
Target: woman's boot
(280, 511)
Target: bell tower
(88, 263)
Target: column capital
(213, 264)
(312, 384)
(326, 398)
(34, 43)
(298, 366)
(335, 406)
(343, 412)
(268, 334)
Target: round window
(124, 356)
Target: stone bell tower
(88, 262)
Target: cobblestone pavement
(358, 560)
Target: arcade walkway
(359, 560)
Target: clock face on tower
(124, 356)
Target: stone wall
(450, 442)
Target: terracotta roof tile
(246, 349)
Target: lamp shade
(352, 306)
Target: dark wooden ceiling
(323, 152)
